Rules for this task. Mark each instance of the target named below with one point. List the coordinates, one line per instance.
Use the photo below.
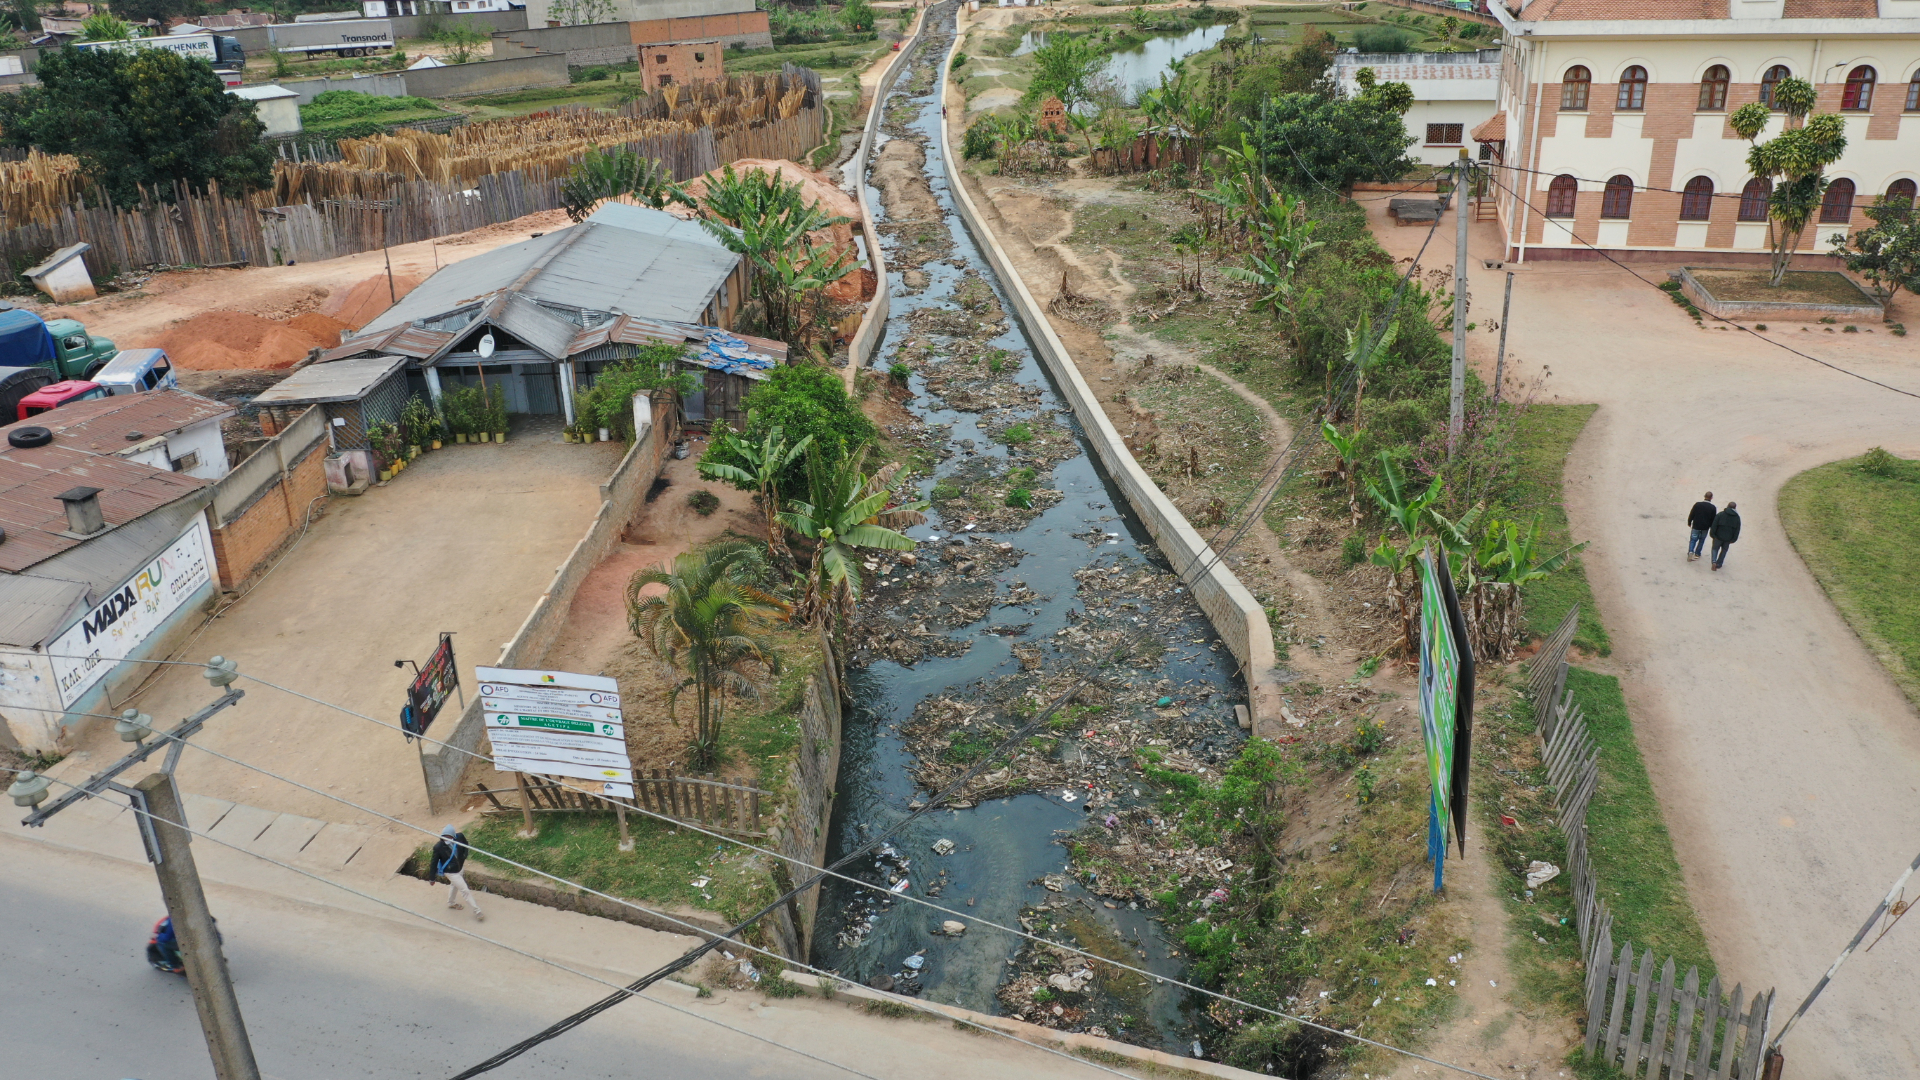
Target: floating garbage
(901, 886)
(914, 962)
(943, 846)
(953, 928)
(1198, 1050)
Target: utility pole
(1500, 365)
(1457, 413)
(200, 951)
(163, 830)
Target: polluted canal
(1031, 578)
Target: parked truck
(223, 52)
(62, 346)
(341, 37)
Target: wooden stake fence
(1692, 1033)
(727, 805)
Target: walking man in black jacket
(1726, 529)
(1699, 519)
(449, 859)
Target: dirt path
(1784, 756)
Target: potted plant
(497, 417)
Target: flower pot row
(480, 437)
(573, 436)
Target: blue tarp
(725, 352)
(24, 340)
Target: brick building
(680, 63)
(1612, 130)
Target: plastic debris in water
(943, 846)
(1198, 1050)
(1068, 796)
(901, 886)
(914, 962)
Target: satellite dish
(486, 345)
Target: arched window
(1696, 203)
(1900, 191)
(1859, 92)
(1836, 206)
(1770, 80)
(1617, 202)
(1913, 93)
(1575, 84)
(1562, 196)
(1713, 88)
(1633, 89)
(1753, 199)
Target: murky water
(1004, 846)
(1142, 66)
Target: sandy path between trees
(1786, 759)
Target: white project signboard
(557, 723)
(84, 652)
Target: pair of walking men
(1723, 526)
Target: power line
(820, 873)
(477, 937)
(1603, 253)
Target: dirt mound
(356, 307)
(224, 340)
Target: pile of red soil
(225, 340)
(356, 307)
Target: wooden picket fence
(727, 805)
(1149, 151)
(1635, 1017)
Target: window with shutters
(1574, 87)
(1901, 192)
(1913, 93)
(186, 462)
(1753, 199)
(1562, 196)
(1445, 134)
(1633, 89)
(1858, 96)
(1836, 206)
(1696, 202)
(1713, 88)
(1617, 201)
(1770, 80)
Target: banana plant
(1347, 466)
(1364, 351)
(846, 511)
(1399, 502)
(762, 465)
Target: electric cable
(821, 873)
(1603, 253)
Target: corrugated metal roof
(549, 332)
(645, 219)
(103, 425)
(36, 520)
(417, 342)
(466, 281)
(339, 380)
(33, 609)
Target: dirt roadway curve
(1787, 761)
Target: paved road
(333, 994)
(1787, 762)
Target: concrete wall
(445, 767)
(800, 828)
(488, 77)
(374, 85)
(540, 12)
(866, 338)
(583, 46)
(748, 29)
(1237, 617)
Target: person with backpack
(1726, 529)
(1699, 519)
(449, 858)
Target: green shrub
(1382, 39)
(1878, 462)
(980, 139)
(703, 502)
(1353, 551)
(1017, 435)
(352, 105)
(1020, 499)
(901, 373)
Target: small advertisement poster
(557, 723)
(117, 625)
(437, 681)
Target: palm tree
(704, 625)
(765, 461)
(845, 510)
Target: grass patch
(1853, 523)
(1545, 436)
(1628, 843)
(666, 860)
(1800, 286)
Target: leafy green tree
(608, 174)
(1887, 254)
(1300, 70)
(157, 10)
(608, 403)
(1794, 162)
(706, 624)
(846, 511)
(760, 465)
(105, 26)
(857, 15)
(136, 119)
(1306, 141)
(1064, 68)
(463, 41)
(804, 403)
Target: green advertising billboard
(1446, 706)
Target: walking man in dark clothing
(1699, 519)
(449, 859)
(1726, 529)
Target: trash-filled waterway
(1032, 581)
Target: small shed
(1053, 116)
(351, 393)
(64, 276)
(278, 106)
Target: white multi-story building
(1452, 94)
(1612, 129)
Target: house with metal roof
(167, 429)
(104, 557)
(542, 317)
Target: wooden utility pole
(1457, 412)
(1500, 364)
(165, 828)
